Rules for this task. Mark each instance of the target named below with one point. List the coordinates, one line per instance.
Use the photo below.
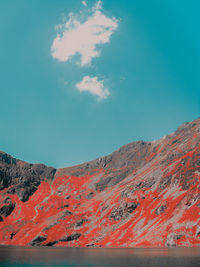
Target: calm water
(75, 257)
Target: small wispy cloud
(84, 3)
(82, 37)
(98, 5)
(94, 86)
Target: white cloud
(82, 37)
(93, 86)
(84, 3)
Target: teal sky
(151, 67)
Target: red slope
(153, 204)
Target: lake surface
(91, 257)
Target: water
(91, 257)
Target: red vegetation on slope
(145, 194)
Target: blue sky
(149, 64)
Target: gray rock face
(65, 214)
(123, 211)
(51, 244)
(71, 237)
(80, 223)
(121, 158)
(38, 240)
(90, 195)
(22, 178)
(6, 210)
(170, 242)
(117, 165)
(160, 209)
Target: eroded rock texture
(22, 178)
(144, 194)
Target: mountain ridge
(143, 194)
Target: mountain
(146, 194)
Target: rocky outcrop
(22, 178)
(6, 210)
(70, 237)
(38, 240)
(123, 210)
(160, 209)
